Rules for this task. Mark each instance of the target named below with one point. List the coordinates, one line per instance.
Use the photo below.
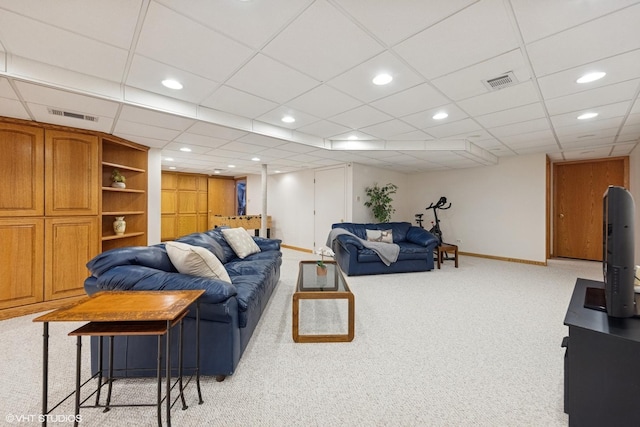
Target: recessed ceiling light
(591, 77)
(216, 171)
(382, 79)
(288, 119)
(172, 84)
(186, 149)
(352, 137)
(277, 172)
(231, 166)
(439, 116)
(169, 159)
(255, 159)
(587, 116)
(172, 167)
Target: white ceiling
(246, 64)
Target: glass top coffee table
(314, 283)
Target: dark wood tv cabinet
(602, 365)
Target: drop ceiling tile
(453, 129)
(481, 31)
(6, 91)
(142, 140)
(623, 149)
(560, 52)
(233, 101)
(147, 74)
(425, 120)
(217, 131)
(619, 68)
(188, 45)
(542, 18)
(354, 136)
(322, 43)
(468, 82)
(13, 108)
(617, 110)
(324, 101)
(360, 117)
(584, 137)
(275, 116)
(590, 99)
(190, 139)
(502, 99)
(520, 128)
(60, 48)
(297, 148)
(388, 129)
(143, 130)
(262, 140)
(409, 16)
(112, 22)
(513, 115)
(271, 80)
(253, 22)
(409, 101)
(324, 129)
(416, 135)
(357, 82)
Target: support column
(263, 212)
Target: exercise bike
(435, 225)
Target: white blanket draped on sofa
(388, 252)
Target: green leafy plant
(380, 201)
(116, 176)
(323, 251)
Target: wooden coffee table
(331, 286)
(125, 313)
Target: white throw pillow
(196, 260)
(385, 236)
(240, 241)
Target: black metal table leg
(168, 373)
(78, 369)
(180, 356)
(200, 401)
(100, 364)
(159, 378)
(45, 371)
(110, 378)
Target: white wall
(366, 176)
(496, 210)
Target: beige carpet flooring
(473, 346)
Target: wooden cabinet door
(69, 244)
(72, 174)
(222, 198)
(22, 166)
(21, 271)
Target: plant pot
(119, 226)
(321, 271)
(118, 185)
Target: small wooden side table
(122, 313)
(445, 249)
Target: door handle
(561, 216)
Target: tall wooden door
(222, 197)
(578, 191)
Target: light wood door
(72, 174)
(69, 244)
(578, 191)
(22, 166)
(22, 252)
(221, 198)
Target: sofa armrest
(267, 244)
(139, 278)
(421, 237)
(346, 239)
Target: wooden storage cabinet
(184, 204)
(69, 244)
(130, 202)
(22, 271)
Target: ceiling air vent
(500, 82)
(62, 113)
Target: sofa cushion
(196, 260)
(240, 241)
(210, 242)
(147, 256)
(227, 252)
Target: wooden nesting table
(125, 313)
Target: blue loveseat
(416, 244)
(229, 312)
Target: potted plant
(321, 267)
(117, 179)
(380, 201)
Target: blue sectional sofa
(229, 312)
(416, 246)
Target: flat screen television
(618, 258)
